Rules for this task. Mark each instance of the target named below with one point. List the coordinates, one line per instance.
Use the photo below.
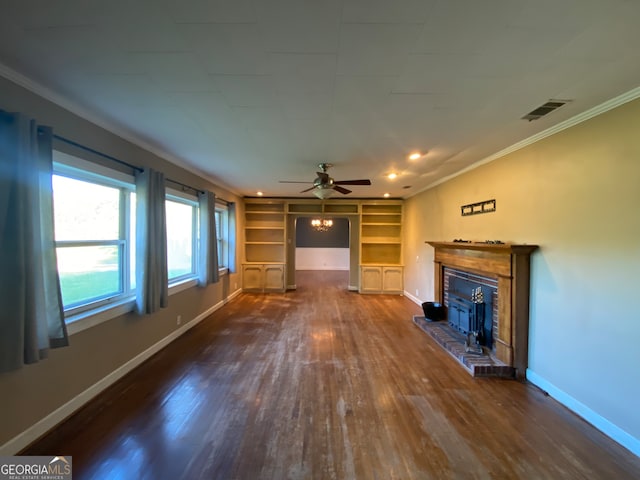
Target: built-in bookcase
(380, 241)
(381, 248)
(264, 246)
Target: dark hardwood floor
(322, 383)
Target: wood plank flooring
(322, 383)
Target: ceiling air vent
(545, 109)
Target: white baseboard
(415, 300)
(41, 427)
(605, 426)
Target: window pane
(179, 238)
(88, 273)
(84, 210)
(132, 240)
(221, 236)
(218, 224)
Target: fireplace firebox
(470, 300)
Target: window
(182, 236)
(94, 233)
(222, 235)
(95, 225)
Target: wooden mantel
(509, 264)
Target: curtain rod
(117, 160)
(91, 150)
(184, 186)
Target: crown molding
(82, 112)
(129, 136)
(571, 122)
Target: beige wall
(35, 391)
(577, 195)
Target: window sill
(90, 318)
(182, 285)
(85, 320)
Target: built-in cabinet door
(274, 277)
(260, 278)
(392, 280)
(252, 277)
(381, 279)
(371, 279)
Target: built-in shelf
(347, 208)
(326, 207)
(305, 208)
(264, 246)
(267, 251)
(379, 240)
(381, 268)
(264, 235)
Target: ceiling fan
(324, 186)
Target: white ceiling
(251, 92)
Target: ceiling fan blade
(324, 177)
(352, 182)
(308, 189)
(341, 189)
(290, 181)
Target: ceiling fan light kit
(322, 192)
(324, 186)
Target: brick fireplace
(505, 266)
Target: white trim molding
(13, 446)
(598, 421)
(414, 299)
(570, 122)
(119, 130)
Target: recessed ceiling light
(415, 156)
(259, 194)
(386, 195)
(391, 176)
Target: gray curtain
(32, 314)
(232, 238)
(152, 278)
(208, 271)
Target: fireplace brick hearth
(509, 265)
(484, 365)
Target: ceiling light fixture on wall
(391, 176)
(322, 225)
(415, 156)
